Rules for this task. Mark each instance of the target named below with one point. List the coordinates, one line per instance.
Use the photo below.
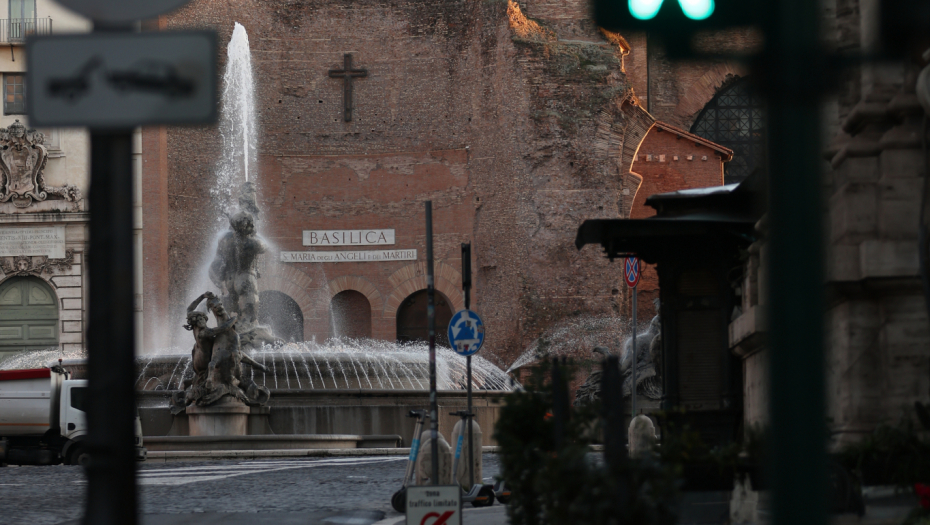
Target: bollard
(642, 436)
(425, 460)
(462, 474)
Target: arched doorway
(735, 119)
(280, 312)
(412, 322)
(28, 315)
(350, 315)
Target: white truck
(42, 420)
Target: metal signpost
(431, 323)
(112, 81)
(466, 335)
(631, 276)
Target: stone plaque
(348, 237)
(39, 240)
(353, 256)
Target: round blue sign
(466, 332)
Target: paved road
(347, 490)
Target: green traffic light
(694, 9)
(646, 9)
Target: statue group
(220, 352)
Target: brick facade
(517, 120)
(670, 159)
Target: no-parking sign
(631, 271)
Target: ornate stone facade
(23, 156)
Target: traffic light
(676, 21)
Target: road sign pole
(633, 390)
(431, 323)
(466, 288)
(111, 474)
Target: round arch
(28, 315)
(735, 118)
(704, 89)
(282, 313)
(412, 321)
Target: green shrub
(558, 481)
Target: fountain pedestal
(227, 418)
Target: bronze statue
(235, 267)
(216, 360)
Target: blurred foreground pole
(431, 324)
(793, 75)
(111, 474)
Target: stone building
(517, 120)
(877, 332)
(43, 216)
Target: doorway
(28, 315)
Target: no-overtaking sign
(434, 505)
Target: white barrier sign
(434, 505)
(348, 237)
(349, 256)
(41, 240)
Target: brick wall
(494, 117)
(670, 159)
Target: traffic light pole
(797, 454)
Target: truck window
(79, 398)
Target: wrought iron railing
(15, 30)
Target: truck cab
(43, 419)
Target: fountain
(243, 388)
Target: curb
(162, 456)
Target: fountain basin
(369, 414)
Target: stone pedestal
(229, 418)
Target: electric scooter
(478, 495)
(399, 499)
(502, 492)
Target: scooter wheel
(504, 498)
(399, 500)
(485, 497)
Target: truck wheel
(79, 456)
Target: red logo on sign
(440, 520)
(631, 271)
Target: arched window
(412, 322)
(280, 312)
(28, 315)
(350, 315)
(735, 119)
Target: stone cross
(347, 74)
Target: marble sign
(350, 256)
(36, 240)
(348, 237)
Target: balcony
(15, 30)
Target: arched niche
(412, 324)
(28, 315)
(350, 315)
(282, 313)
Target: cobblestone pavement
(313, 487)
